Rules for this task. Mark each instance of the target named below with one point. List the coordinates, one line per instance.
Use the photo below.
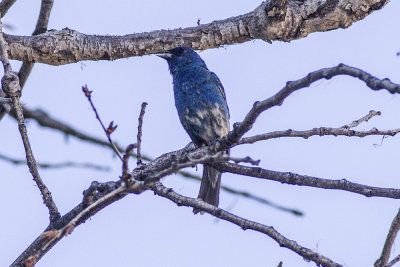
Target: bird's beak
(164, 54)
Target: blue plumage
(201, 104)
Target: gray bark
(273, 20)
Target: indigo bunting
(202, 109)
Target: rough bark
(273, 20)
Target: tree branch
(241, 128)
(66, 164)
(5, 6)
(139, 134)
(305, 180)
(41, 27)
(45, 120)
(272, 20)
(11, 87)
(394, 229)
(245, 224)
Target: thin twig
(67, 164)
(245, 160)
(366, 118)
(10, 84)
(139, 134)
(245, 224)
(393, 262)
(387, 247)
(111, 128)
(125, 168)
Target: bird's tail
(209, 188)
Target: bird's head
(181, 57)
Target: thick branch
(272, 20)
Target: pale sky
(146, 230)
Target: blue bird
(202, 109)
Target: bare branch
(244, 160)
(322, 131)
(260, 106)
(345, 130)
(366, 118)
(5, 6)
(272, 20)
(45, 120)
(246, 194)
(305, 180)
(393, 262)
(41, 27)
(394, 229)
(111, 128)
(97, 197)
(10, 85)
(139, 134)
(66, 164)
(245, 224)
(125, 169)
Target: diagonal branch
(243, 223)
(394, 229)
(271, 20)
(11, 86)
(5, 6)
(260, 106)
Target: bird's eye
(179, 51)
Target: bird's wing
(215, 78)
